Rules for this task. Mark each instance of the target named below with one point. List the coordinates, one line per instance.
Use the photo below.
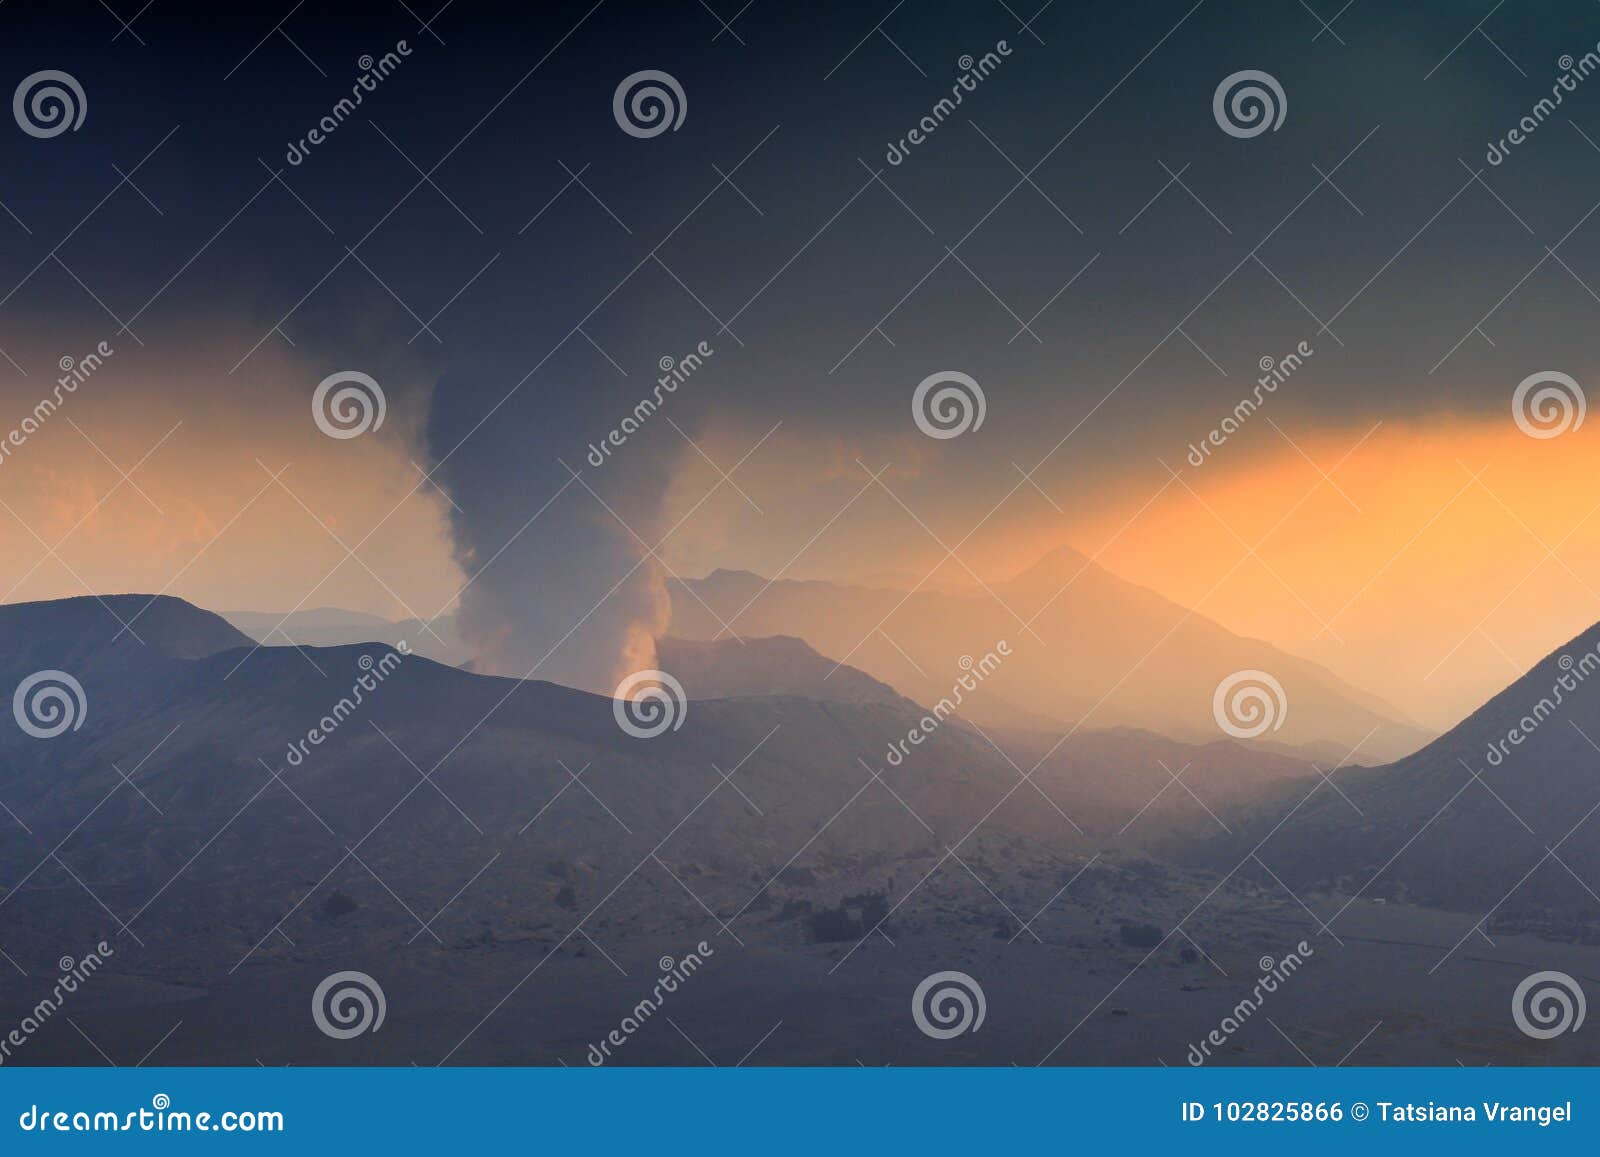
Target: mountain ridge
(1092, 627)
(1452, 824)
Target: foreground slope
(1501, 815)
(512, 866)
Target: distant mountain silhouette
(519, 823)
(334, 626)
(1107, 653)
(1427, 830)
(200, 720)
(735, 669)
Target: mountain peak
(88, 623)
(724, 574)
(1059, 561)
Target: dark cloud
(520, 250)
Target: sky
(1081, 237)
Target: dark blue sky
(505, 132)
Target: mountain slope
(1086, 646)
(196, 805)
(207, 797)
(1469, 821)
(52, 634)
(492, 850)
(733, 669)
